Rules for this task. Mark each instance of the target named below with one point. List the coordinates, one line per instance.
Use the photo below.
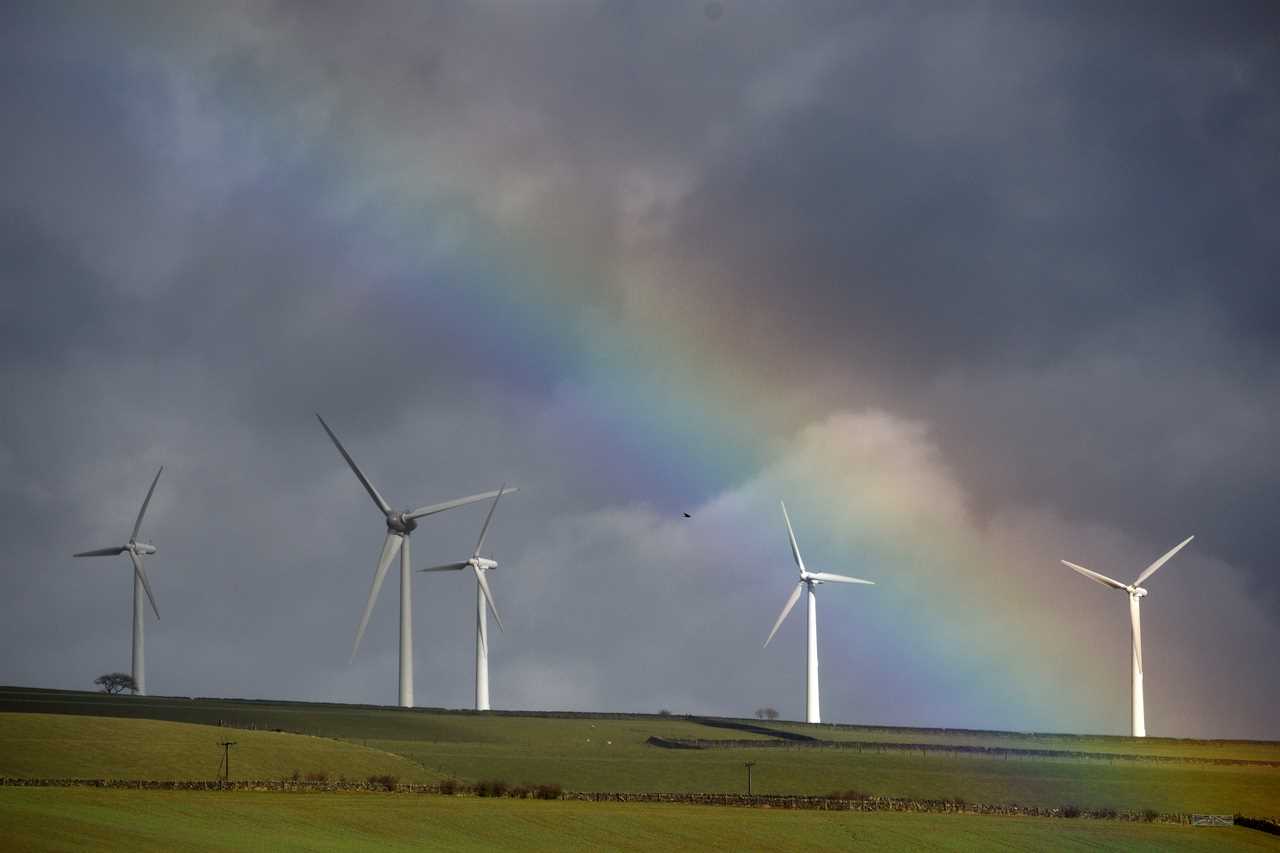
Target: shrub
(665, 712)
(296, 776)
(492, 788)
(519, 792)
(547, 792)
(1149, 815)
(1257, 823)
(1071, 811)
(317, 776)
(449, 787)
(1107, 813)
(386, 781)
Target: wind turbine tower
(808, 583)
(1136, 594)
(400, 523)
(136, 550)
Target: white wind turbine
(1136, 592)
(484, 595)
(808, 580)
(135, 550)
(399, 525)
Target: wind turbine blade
(142, 576)
(1094, 576)
(364, 481)
(1151, 569)
(470, 499)
(485, 528)
(488, 595)
(791, 602)
(830, 578)
(791, 535)
(102, 552)
(447, 567)
(389, 548)
(1137, 631)
(138, 524)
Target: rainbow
(656, 380)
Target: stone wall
(869, 804)
(865, 804)
(217, 785)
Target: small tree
(760, 713)
(771, 713)
(116, 682)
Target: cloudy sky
(972, 286)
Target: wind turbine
(808, 580)
(1136, 592)
(135, 550)
(400, 523)
(484, 596)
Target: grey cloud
(1045, 231)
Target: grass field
(70, 819)
(51, 746)
(632, 766)
(1152, 746)
(609, 753)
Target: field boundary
(944, 748)
(764, 801)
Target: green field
(630, 765)
(1253, 750)
(93, 735)
(51, 746)
(73, 819)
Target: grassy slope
(80, 819)
(60, 746)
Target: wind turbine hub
(399, 522)
(142, 548)
(1138, 592)
(484, 563)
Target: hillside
(614, 752)
(82, 747)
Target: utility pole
(750, 764)
(226, 758)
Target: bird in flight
(686, 515)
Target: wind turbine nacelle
(399, 522)
(143, 548)
(1139, 591)
(485, 563)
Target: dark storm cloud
(1085, 205)
(1048, 231)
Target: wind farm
(399, 525)
(581, 297)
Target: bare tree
(760, 713)
(771, 713)
(116, 682)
